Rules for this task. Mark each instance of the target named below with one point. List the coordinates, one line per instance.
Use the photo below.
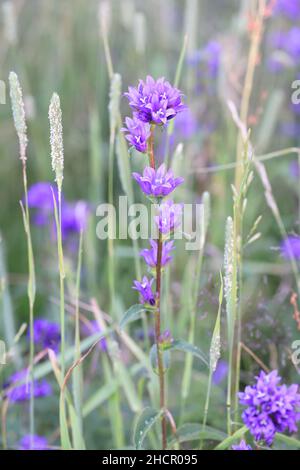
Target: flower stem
(158, 345)
(151, 147)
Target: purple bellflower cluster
(19, 387)
(33, 442)
(290, 247)
(154, 103)
(74, 214)
(46, 334)
(271, 407)
(241, 446)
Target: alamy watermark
(137, 221)
(296, 94)
(2, 353)
(2, 92)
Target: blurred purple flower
(289, 8)
(74, 217)
(210, 56)
(20, 393)
(292, 43)
(40, 198)
(294, 169)
(92, 327)
(169, 217)
(241, 446)
(34, 442)
(290, 129)
(271, 407)
(155, 101)
(138, 133)
(46, 334)
(145, 290)
(290, 246)
(150, 255)
(220, 372)
(185, 124)
(157, 183)
(166, 339)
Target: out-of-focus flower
(241, 446)
(137, 133)
(290, 247)
(150, 255)
(169, 217)
(74, 217)
(92, 327)
(209, 56)
(295, 168)
(40, 198)
(271, 407)
(46, 334)
(220, 372)
(157, 183)
(166, 339)
(145, 290)
(289, 8)
(155, 101)
(20, 393)
(34, 442)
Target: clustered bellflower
(74, 217)
(270, 407)
(157, 183)
(46, 334)
(20, 392)
(33, 442)
(155, 101)
(241, 446)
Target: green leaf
(194, 431)
(146, 420)
(133, 313)
(232, 439)
(181, 345)
(290, 441)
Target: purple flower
(292, 43)
(155, 101)
(46, 334)
(157, 183)
(166, 339)
(145, 290)
(169, 217)
(34, 442)
(40, 198)
(74, 217)
(150, 255)
(290, 247)
(241, 446)
(92, 327)
(294, 169)
(138, 133)
(20, 393)
(220, 372)
(289, 8)
(209, 56)
(271, 407)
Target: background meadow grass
(58, 46)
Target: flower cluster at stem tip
(154, 103)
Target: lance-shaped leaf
(134, 313)
(184, 346)
(146, 420)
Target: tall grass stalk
(21, 128)
(188, 367)
(214, 356)
(57, 159)
(77, 374)
(115, 93)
